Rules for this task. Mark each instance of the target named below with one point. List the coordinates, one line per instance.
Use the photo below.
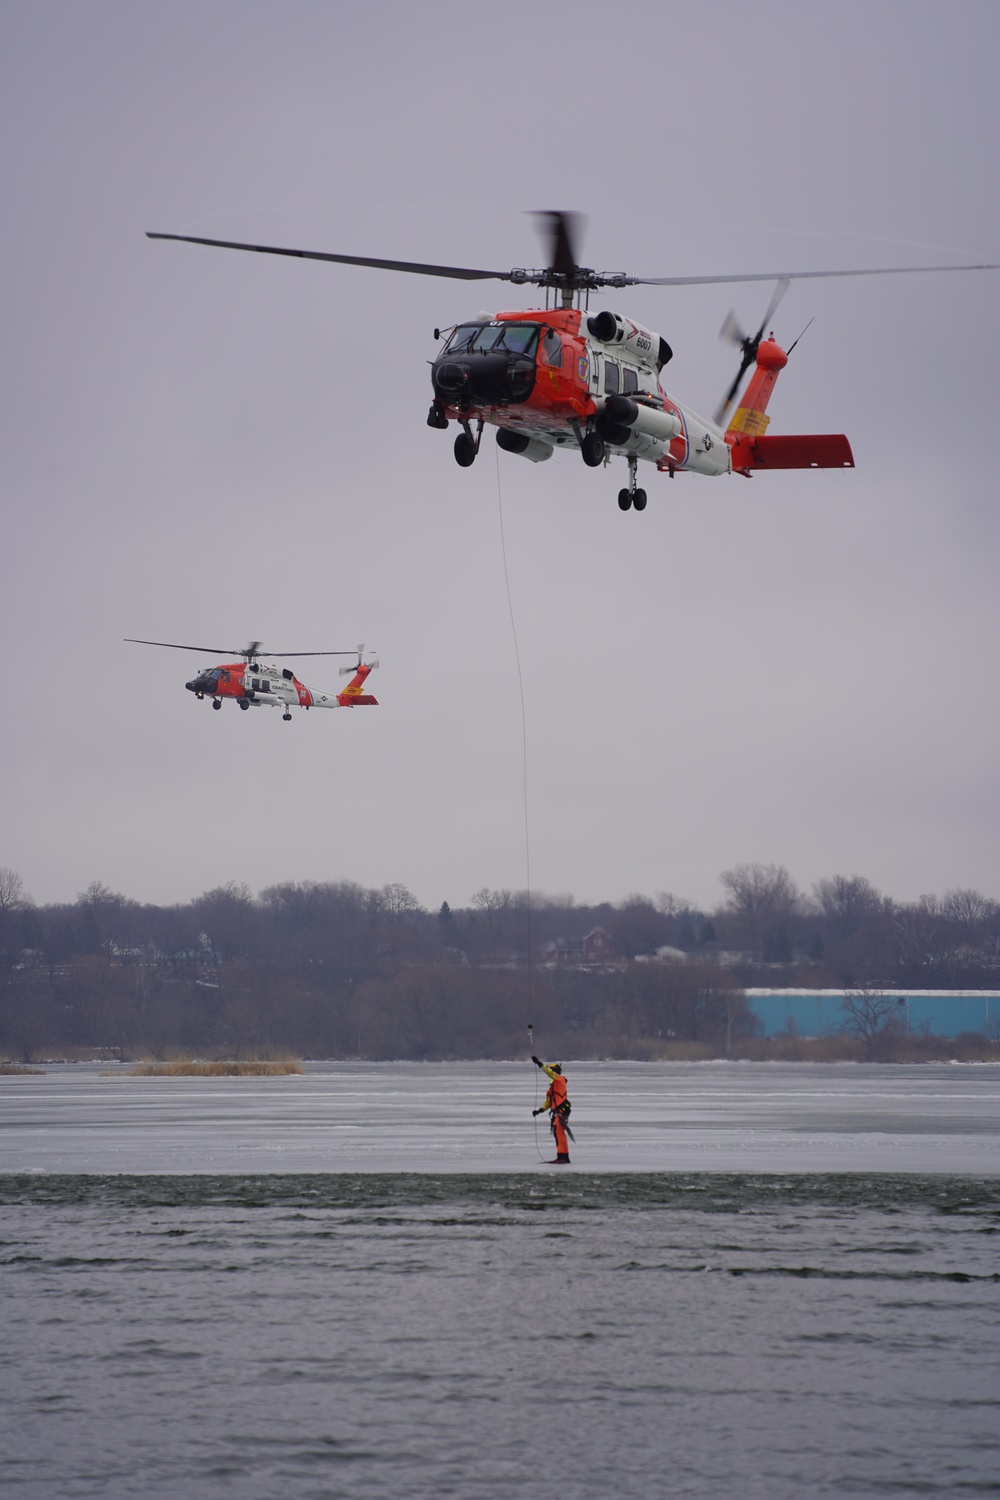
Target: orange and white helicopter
(557, 378)
(253, 683)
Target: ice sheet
(476, 1117)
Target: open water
(173, 1330)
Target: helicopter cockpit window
(611, 373)
(630, 380)
(485, 338)
(512, 338)
(552, 348)
(462, 337)
(518, 338)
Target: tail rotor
(732, 333)
(371, 665)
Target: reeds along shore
(966, 1047)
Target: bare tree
(227, 916)
(973, 916)
(112, 917)
(762, 898)
(966, 907)
(919, 936)
(492, 905)
(13, 896)
(873, 1017)
(671, 905)
(846, 901)
(396, 901)
(15, 903)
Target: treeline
(418, 1011)
(340, 970)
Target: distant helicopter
(254, 683)
(557, 378)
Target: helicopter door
(595, 373)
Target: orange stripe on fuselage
(230, 684)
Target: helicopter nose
(484, 378)
(198, 685)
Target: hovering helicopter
(253, 683)
(558, 378)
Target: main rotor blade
(561, 228)
(225, 650)
(797, 275)
(458, 273)
(173, 646)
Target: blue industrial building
(921, 1012)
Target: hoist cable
(524, 783)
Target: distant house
(590, 951)
(597, 947)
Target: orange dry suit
(558, 1106)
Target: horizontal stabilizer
(357, 700)
(825, 450)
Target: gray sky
(202, 446)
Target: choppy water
(491, 1335)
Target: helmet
(556, 1067)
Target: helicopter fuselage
(547, 378)
(256, 684)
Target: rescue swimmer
(559, 1108)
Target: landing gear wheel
(639, 499)
(592, 450)
(465, 450)
(287, 718)
(216, 702)
(243, 704)
(624, 500)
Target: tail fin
(352, 696)
(749, 418)
(745, 434)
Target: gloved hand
(536, 1060)
(539, 1111)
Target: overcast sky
(204, 447)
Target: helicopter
(559, 378)
(253, 683)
